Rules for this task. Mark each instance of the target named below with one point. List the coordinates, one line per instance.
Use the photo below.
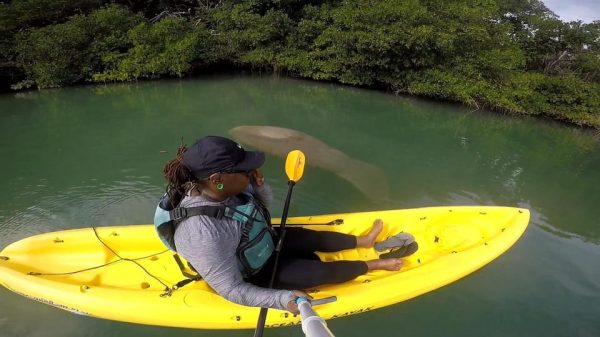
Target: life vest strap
(180, 213)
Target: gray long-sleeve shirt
(210, 246)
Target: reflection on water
(92, 156)
(90, 204)
(277, 141)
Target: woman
(229, 242)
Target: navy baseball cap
(214, 154)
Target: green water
(93, 156)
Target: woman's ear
(215, 178)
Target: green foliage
(512, 55)
(71, 52)
(167, 47)
(368, 42)
(446, 84)
(151, 9)
(550, 45)
(21, 14)
(589, 66)
(250, 38)
(362, 41)
(562, 97)
(18, 15)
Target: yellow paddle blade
(294, 165)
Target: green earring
(220, 186)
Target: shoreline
(223, 71)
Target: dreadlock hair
(179, 178)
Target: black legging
(299, 266)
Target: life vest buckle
(220, 213)
(179, 213)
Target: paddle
(294, 168)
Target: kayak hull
(122, 272)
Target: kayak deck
(125, 273)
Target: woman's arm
(221, 273)
(212, 253)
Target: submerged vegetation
(513, 56)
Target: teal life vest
(256, 244)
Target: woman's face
(235, 182)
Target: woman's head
(214, 154)
(212, 162)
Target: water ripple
(120, 202)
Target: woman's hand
(292, 306)
(256, 178)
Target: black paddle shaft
(260, 324)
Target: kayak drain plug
(5, 258)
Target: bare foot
(367, 241)
(384, 264)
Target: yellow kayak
(125, 273)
